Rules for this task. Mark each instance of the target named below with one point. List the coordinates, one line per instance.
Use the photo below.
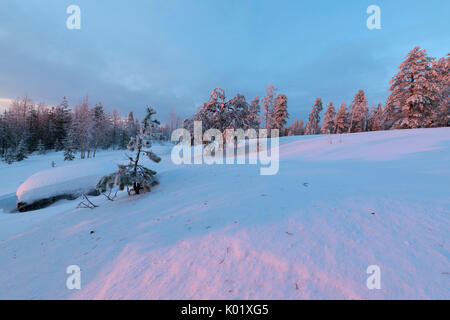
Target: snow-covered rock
(67, 182)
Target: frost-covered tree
(69, 152)
(218, 113)
(239, 112)
(358, 112)
(280, 113)
(329, 120)
(59, 145)
(267, 107)
(99, 127)
(214, 114)
(375, 121)
(40, 147)
(255, 108)
(10, 156)
(414, 92)
(61, 121)
(82, 123)
(441, 74)
(296, 129)
(342, 119)
(134, 174)
(312, 126)
(21, 151)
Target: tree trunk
(136, 186)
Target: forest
(419, 98)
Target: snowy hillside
(338, 205)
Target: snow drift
(338, 205)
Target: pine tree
(374, 123)
(98, 128)
(312, 126)
(254, 120)
(69, 154)
(280, 113)
(414, 92)
(441, 74)
(329, 120)
(40, 147)
(296, 128)
(10, 156)
(59, 145)
(135, 175)
(267, 104)
(358, 112)
(60, 123)
(342, 119)
(21, 151)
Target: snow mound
(70, 180)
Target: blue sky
(171, 54)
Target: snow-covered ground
(338, 205)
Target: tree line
(26, 127)
(419, 98)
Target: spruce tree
(358, 112)
(329, 120)
(69, 154)
(312, 126)
(342, 119)
(40, 147)
(267, 106)
(280, 112)
(441, 75)
(10, 156)
(59, 145)
(414, 92)
(21, 151)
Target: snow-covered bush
(133, 174)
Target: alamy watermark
(74, 279)
(374, 280)
(374, 20)
(73, 22)
(233, 151)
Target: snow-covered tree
(69, 152)
(296, 129)
(61, 121)
(414, 92)
(375, 121)
(329, 120)
(239, 113)
(21, 151)
(216, 113)
(134, 174)
(312, 126)
(82, 123)
(59, 145)
(10, 156)
(342, 122)
(99, 127)
(441, 74)
(40, 147)
(254, 120)
(267, 107)
(280, 113)
(358, 112)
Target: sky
(172, 54)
